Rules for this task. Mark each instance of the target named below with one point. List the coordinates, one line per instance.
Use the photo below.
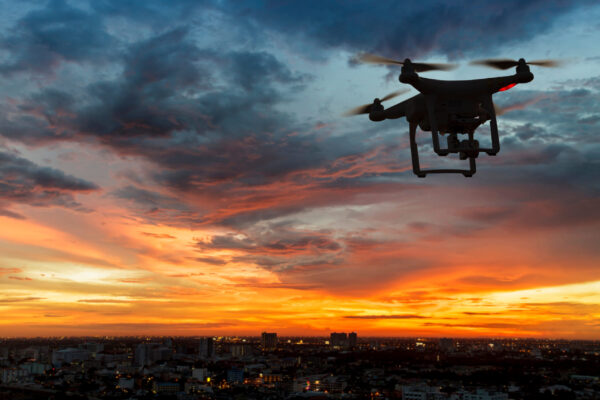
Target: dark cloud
(287, 263)
(61, 32)
(279, 248)
(23, 182)
(168, 85)
(205, 116)
(275, 244)
(148, 198)
(211, 260)
(551, 117)
(148, 11)
(264, 69)
(45, 37)
(158, 207)
(406, 29)
(259, 285)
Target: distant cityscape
(341, 366)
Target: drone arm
(397, 111)
(394, 112)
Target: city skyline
(186, 171)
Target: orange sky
(401, 262)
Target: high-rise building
(338, 340)
(206, 348)
(352, 339)
(240, 350)
(149, 353)
(141, 354)
(268, 341)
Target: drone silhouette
(448, 107)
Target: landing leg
(414, 150)
(489, 106)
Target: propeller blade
(419, 67)
(496, 63)
(546, 63)
(394, 94)
(373, 59)
(424, 67)
(507, 63)
(366, 108)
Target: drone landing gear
(421, 173)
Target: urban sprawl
(341, 366)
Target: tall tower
(268, 341)
(338, 340)
(352, 339)
(206, 348)
(141, 354)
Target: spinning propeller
(508, 63)
(419, 67)
(366, 108)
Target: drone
(448, 107)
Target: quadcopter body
(449, 108)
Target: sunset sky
(183, 168)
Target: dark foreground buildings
(268, 367)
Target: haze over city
(183, 168)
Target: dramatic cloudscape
(184, 168)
